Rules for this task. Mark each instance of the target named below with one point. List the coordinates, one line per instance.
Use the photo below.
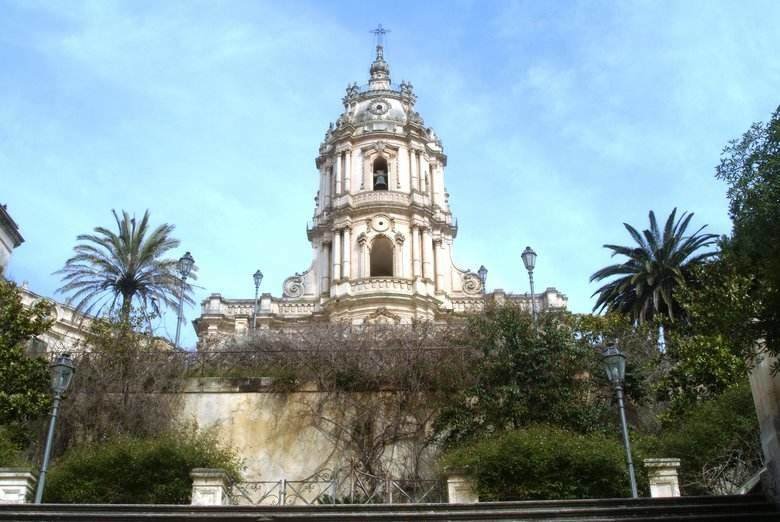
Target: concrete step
(737, 508)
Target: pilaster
(416, 270)
(427, 248)
(336, 256)
(346, 265)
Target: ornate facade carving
(293, 286)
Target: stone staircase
(727, 508)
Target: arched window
(381, 257)
(380, 174)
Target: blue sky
(561, 121)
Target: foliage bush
(137, 471)
(125, 385)
(11, 455)
(24, 380)
(527, 373)
(543, 462)
(716, 440)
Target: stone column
(325, 268)
(365, 171)
(398, 255)
(460, 489)
(412, 178)
(326, 187)
(347, 171)
(440, 263)
(338, 174)
(416, 272)
(427, 248)
(363, 245)
(17, 485)
(210, 487)
(418, 170)
(321, 193)
(336, 256)
(662, 475)
(346, 267)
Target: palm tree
(124, 268)
(657, 265)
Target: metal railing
(352, 487)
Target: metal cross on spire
(380, 33)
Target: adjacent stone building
(382, 234)
(10, 237)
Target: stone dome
(379, 108)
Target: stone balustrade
(390, 284)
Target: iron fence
(352, 487)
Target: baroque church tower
(382, 233)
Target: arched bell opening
(380, 174)
(381, 264)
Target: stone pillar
(347, 172)
(346, 265)
(460, 489)
(17, 485)
(325, 268)
(363, 245)
(416, 272)
(417, 170)
(427, 248)
(766, 396)
(662, 476)
(412, 176)
(321, 193)
(336, 256)
(210, 487)
(328, 186)
(440, 263)
(398, 255)
(368, 176)
(338, 174)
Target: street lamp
(483, 277)
(258, 277)
(529, 260)
(61, 374)
(615, 366)
(184, 266)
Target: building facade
(382, 234)
(10, 237)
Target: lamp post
(615, 365)
(529, 260)
(186, 262)
(482, 272)
(62, 373)
(258, 277)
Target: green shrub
(542, 462)
(137, 471)
(717, 442)
(11, 455)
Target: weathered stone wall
(279, 435)
(766, 392)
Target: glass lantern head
(185, 264)
(614, 364)
(529, 258)
(62, 373)
(258, 277)
(482, 274)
